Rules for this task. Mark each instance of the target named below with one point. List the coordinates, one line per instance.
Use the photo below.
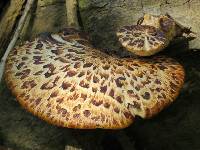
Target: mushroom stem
(72, 19)
(16, 35)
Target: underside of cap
(142, 40)
(70, 84)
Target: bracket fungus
(151, 34)
(66, 82)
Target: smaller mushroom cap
(162, 22)
(142, 40)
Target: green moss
(83, 4)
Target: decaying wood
(72, 19)
(9, 17)
(16, 35)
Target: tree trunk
(177, 127)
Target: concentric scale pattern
(63, 80)
(142, 40)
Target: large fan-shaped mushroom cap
(142, 40)
(62, 80)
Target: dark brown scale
(71, 73)
(140, 42)
(137, 87)
(135, 65)
(66, 85)
(128, 115)
(146, 95)
(133, 95)
(127, 74)
(37, 52)
(130, 68)
(86, 113)
(37, 60)
(134, 77)
(77, 65)
(20, 65)
(86, 65)
(37, 101)
(54, 94)
(23, 73)
(145, 82)
(51, 70)
(76, 108)
(22, 95)
(82, 73)
(48, 105)
(122, 30)
(125, 39)
(39, 46)
(73, 50)
(112, 93)
(89, 72)
(115, 122)
(157, 82)
(103, 89)
(24, 58)
(60, 100)
(77, 59)
(14, 51)
(65, 68)
(119, 99)
(94, 67)
(134, 105)
(95, 118)
(83, 84)
(163, 95)
(103, 117)
(75, 96)
(97, 103)
(28, 84)
(56, 52)
(76, 115)
(118, 81)
(64, 112)
(94, 89)
(89, 77)
(26, 97)
(116, 110)
(72, 89)
(106, 105)
(132, 83)
(83, 96)
(136, 34)
(158, 89)
(140, 75)
(49, 85)
(173, 86)
(162, 67)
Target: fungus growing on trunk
(66, 82)
(151, 34)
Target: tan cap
(142, 40)
(70, 84)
